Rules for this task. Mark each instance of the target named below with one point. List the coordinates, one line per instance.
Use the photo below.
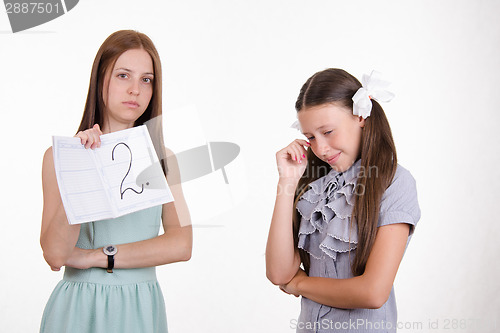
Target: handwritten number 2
(129, 166)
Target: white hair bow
(373, 88)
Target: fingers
(292, 160)
(90, 138)
(297, 151)
(303, 142)
(283, 290)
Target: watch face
(110, 250)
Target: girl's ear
(361, 121)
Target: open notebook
(121, 177)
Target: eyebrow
(131, 71)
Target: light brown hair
(377, 152)
(111, 49)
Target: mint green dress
(93, 300)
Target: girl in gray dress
(345, 210)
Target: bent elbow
(377, 298)
(186, 254)
(271, 277)
(374, 291)
(277, 279)
(187, 245)
(55, 262)
(52, 258)
(376, 303)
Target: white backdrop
(232, 71)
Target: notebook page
(120, 177)
(123, 156)
(82, 192)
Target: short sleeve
(399, 202)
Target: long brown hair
(111, 49)
(378, 152)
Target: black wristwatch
(110, 251)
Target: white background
(232, 71)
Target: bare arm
(176, 242)
(282, 259)
(173, 245)
(370, 290)
(57, 236)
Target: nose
(322, 147)
(134, 88)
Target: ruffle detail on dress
(326, 209)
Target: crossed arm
(58, 238)
(369, 290)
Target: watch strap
(111, 263)
(110, 251)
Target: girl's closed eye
(327, 132)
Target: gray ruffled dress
(325, 234)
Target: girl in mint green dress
(106, 292)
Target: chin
(341, 167)
(131, 116)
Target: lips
(333, 159)
(131, 104)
